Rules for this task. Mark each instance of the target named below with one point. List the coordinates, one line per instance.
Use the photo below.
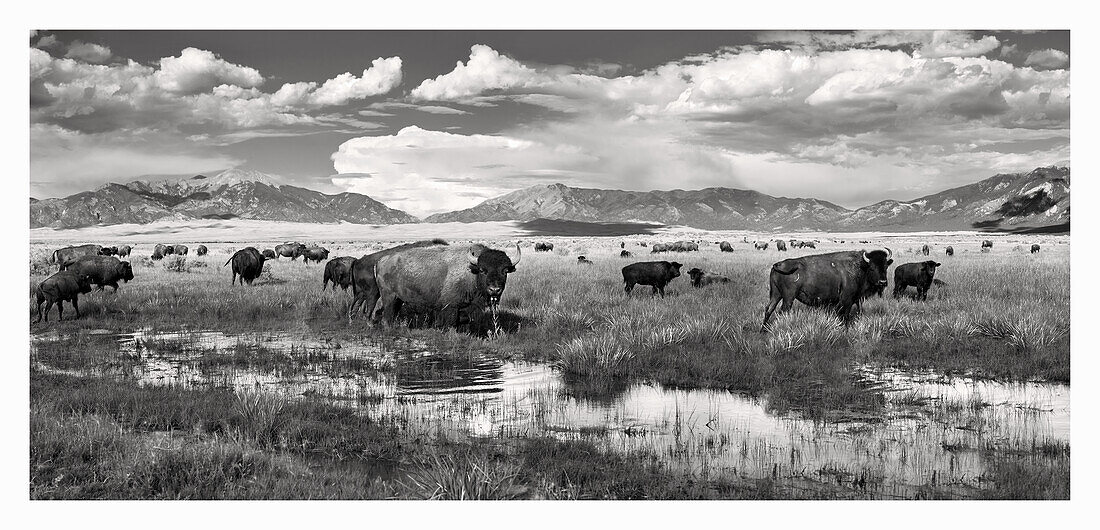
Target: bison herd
(455, 281)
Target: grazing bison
(108, 251)
(761, 245)
(950, 251)
(364, 284)
(338, 271)
(809, 244)
(62, 255)
(159, 252)
(581, 260)
(653, 273)
(317, 254)
(626, 254)
(725, 246)
(290, 250)
(270, 254)
(700, 278)
(659, 247)
(780, 245)
(622, 244)
(64, 286)
(919, 275)
(450, 279)
(201, 250)
(179, 249)
(1034, 248)
(987, 245)
(248, 263)
(837, 279)
(544, 247)
(925, 250)
(124, 251)
(101, 270)
(169, 249)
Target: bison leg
(773, 301)
(60, 310)
(898, 289)
(75, 306)
(922, 293)
(114, 287)
(49, 305)
(629, 287)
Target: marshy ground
(182, 386)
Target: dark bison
(581, 260)
(248, 263)
(987, 245)
(201, 250)
(270, 254)
(169, 250)
(626, 254)
(780, 245)
(1034, 248)
(653, 273)
(364, 284)
(449, 279)
(290, 250)
(64, 286)
(837, 279)
(338, 271)
(124, 251)
(658, 247)
(919, 275)
(761, 245)
(317, 254)
(101, 270)
(159, 252)
(544, 247)
(62, 255)
(701, 278)
(950, 251)
(179, 249)
(925, 250)
(725, 246)
(622, 244)
(108, 251)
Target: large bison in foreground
(248, 263)
(338, 271)
(838, 279)
(364, 285)
(653, 273)
(101, 270)
(64, 286)
(920, 275)
(61, 255)
(451, 280)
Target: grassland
(1002, 315)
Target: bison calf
(61, 287)
(338, 271)
(700, 278)
(653, 273)
(919, 275)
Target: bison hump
(785, 267)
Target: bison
(179, 249)
(761, 245)
(169, 250)
(925, 250)
(725, 246)
(656, 274)
(64, 286)
(101, 270)
(544, 247)
(62, 255)
(1034, 248)
(159, 252)
(659, 247)
(317, 254)
(581, 260)
(780, 245)
(248, 263)
(950, 251)
(454, 280)
(626, 254)
(919, 275)
(124, 251)
(270, 254)
(987, 245)
(837, 279)
(364, 284)
(108, 251)
(290, 250)
(338, 271)
(700, 278)
(201, 250)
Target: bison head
(930, 266)
(84, 283)
(696, 275)
(492, 268)
(875, 263)
(674, 268)
(126, 270)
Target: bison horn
(515, 259)
(889, 253)
(472, 258)
(865, 257)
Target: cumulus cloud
(88, 52)
(47, 41)
(486, 69)
(958, 44)
(1047, 59)
(381, 77)
(198, 70)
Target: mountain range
(1038, 199)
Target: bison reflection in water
(451, 280)
(837, 279)
(248, 263)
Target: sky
(433, 121)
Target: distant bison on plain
(269, 254)
(626, 254)
(1034, 248)
(61, 255)
(761, 245)
(544, 247)
(950, 251)
(987, 245)
(201, 250)
(725, 246)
